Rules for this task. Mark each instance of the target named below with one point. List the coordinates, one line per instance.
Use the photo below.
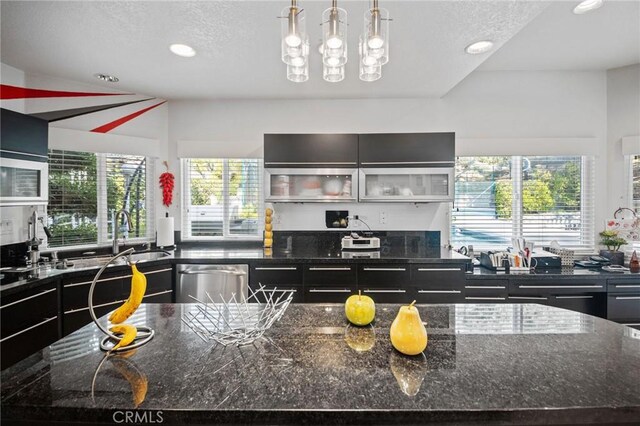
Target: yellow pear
(407, 332)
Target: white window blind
(86, 189)
(541, 198)
(634, 193)
(73, 206)
(222, 198)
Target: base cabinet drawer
(328, 294)
(387, 294)
(486, 289)
(623, 285)
(438, 276)
(333, 275)
(23, 343)
(268, 274)
(383, 275)
(25, 309)
(561, 286)
(592, 304)
(443, 295)
(623, 307)
(76, 295)
(298, 294)
(158, 297)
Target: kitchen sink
(148, 255)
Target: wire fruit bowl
(237, 322)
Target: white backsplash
(379, 216)
(14, 224)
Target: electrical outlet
(383, 218)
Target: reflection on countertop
(484, 361)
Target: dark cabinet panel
(310, 150)
(23, 310)
(23, 137)
(623, 308)
(387, 294)
(298, 293)
(487, 288)
(330, 275)
(393, 275)
(270, 274)
(329, 294)
(592, 304)
(76, 295)
(438, 276)
(406, 150)
(440, 295)
(624, 285)
(24, 343)
(533, 287)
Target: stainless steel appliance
(360, 243)
(23, 182)
(219, 281)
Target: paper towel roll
(164, 231)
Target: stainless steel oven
(23, 182)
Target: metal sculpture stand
(144, 334)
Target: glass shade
(333, 74)
(294, 35)
(298, 74)
(369, 68)
(334, 37)
(376, 36)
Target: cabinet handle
(317, 290)
(385, 291)
(527, 298)
(439, 269)
(440, 291)
(574, 297)
(484, 298)
(276, 268)
(626, 286)
(487, 287)
(102, 305)
(385, 269)
(315, 268)
(630, 323)
(27, 298)
(29, 328)
(293, 290)
(627, 297)
(559, 286)
(372, 163)
(115, 278)
(157, 294)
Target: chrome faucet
(116, 246)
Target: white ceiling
(238, 44)
(608, 37)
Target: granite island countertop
(484, 363)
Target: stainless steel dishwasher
(217, 280)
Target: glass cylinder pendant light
(334, 42)
(295, 43)
(374, 43)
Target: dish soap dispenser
(634, 263)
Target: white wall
(623, 119)
(566, 108)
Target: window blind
(541, 198)
(222, 198)
(634, 191)
(73, 208)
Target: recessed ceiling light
(182, 50)
(587, 6)
(106, 77)
(479, 47)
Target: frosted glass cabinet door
(311, 185)
(406, 185)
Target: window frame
(634, 245)
(103, 238)
(587, 208)
(186, 202)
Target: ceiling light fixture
(374, 43)
(106, 77)
(334, 42)
(182, 50)
(295, 43)
(479, 47)
(587, 6)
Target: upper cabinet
(23, 137)
(310, 151)
(407, 150)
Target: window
(222, 198)
(541, 198)
(635, 183)
(85, 191)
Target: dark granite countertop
(484, 363)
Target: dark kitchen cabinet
(329, 283)
(30, 321)
(278, 277)
(111, 291)
(383, 275)
(588, 303)
(310, 150)
(406, 150)
(486, 290)
(623, 301)
(437, 283)
(23, 137)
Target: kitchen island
(488, 363)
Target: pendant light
(334, 43)
(295, 43)
(374, 43)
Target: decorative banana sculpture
(138, 287)
(129, 333)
